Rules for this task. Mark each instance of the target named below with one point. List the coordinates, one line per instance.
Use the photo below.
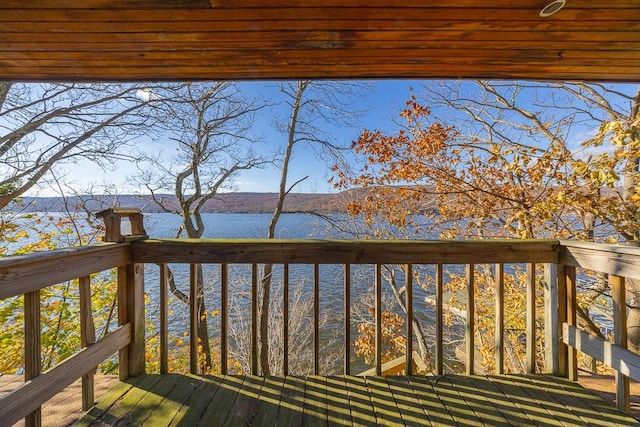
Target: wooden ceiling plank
(345, 59)
(445, 54)
(155, 4)
(251, 39)
(560, 48)
(87, 27)
(347, 71)
(389, 14)
(335, 39)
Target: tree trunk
(265, 299)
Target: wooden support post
(87, 337)
(618, 294)
(572, 304)
(551, 319)
(347, 319)
(499, 334)
(408, 286)
(531, 318)
(470, 320)
(33, 348)
(131, 310)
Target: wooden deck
(65, 407)
(187, 400)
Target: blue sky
(380, 108)
(383, 103)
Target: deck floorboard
(188, 400)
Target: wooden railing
(348, 254)
(27, 275)
(619, 263)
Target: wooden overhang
(121, 40)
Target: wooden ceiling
(116, 40)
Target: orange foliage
(393, 342)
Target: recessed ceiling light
(552, 8)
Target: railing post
(572, 304)
(224, 317)
(551, 318)
(408, 277)
(316, 319)
(439, 320)
(378, 320)
(347, 319)
(87, 337)
(33, 348)
(194, 319)
(164, 320)
(618, 294)
(499, 333)
(470, 320)
(131, 310)
(254, 319)
(531, 318)
(563, 361)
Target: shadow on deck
(187, 400)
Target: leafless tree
(208, 127)
(46, 125)
(315, 107)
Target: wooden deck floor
(65, 407)
(186, 400)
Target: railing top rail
(343, 251)
(25, 273)
(610, 259)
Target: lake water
(290, 226)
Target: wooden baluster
(439, 320)
(347, 319)
(224, 317)
(87, 337)
(33, 348)
(316, 319)
(572, 303)
(551, 356)
(123, 318)
(531, 319)
(499, 334)
(194, 318)
(131, 310)
(254, 319)
(164, 320)
(470, 320)
(563, 367)
(618, 294)
(285, 319)
(378, 320)
(408, 286)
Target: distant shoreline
(236, 203)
